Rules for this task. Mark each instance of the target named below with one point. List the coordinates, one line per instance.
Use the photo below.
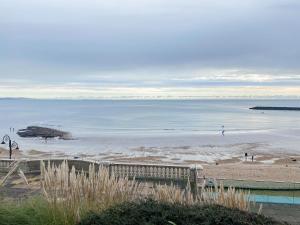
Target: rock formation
(43, 132)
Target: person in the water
(223, 130)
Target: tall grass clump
(71, 194)
(230, 198)
(174, 195)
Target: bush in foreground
(29, 212)
(33, 211)
(151, 212)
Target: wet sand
(277, 167)
(276, 154)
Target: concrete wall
(167, 173)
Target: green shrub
(151, 212)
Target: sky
(150, 49)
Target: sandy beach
(164, 132)
(275, 153)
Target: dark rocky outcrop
(43, 132)
(275, 108)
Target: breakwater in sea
(275, 108)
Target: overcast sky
(149, 48)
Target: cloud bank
(149, 48)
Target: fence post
(109, 170)
(195, 176)
(194, 185)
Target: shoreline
(265, 141)
(264, 168)
(276, 156)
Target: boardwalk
(281, 212)
(263, 185)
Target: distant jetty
(43, 132)
(275, 108)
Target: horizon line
(158, 98)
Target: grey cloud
(63, 41)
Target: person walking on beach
(223, 130)
(246, 155)
(252, 158)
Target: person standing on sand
(246, 155)
(252, 158)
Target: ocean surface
(107, 125)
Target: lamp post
(12, 144)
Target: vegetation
(75, 193)
(71, 197)
(10, 172)
(230, 198)
(79, 192)
(157, 213)
(34, 211)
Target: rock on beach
(43, 132)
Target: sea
(99, 126)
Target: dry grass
(230, 198)
(173, 194)
(23, 177)
(10, 172)
(72, 193)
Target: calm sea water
(113, 118)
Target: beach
(164, 132)
(275, 155)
